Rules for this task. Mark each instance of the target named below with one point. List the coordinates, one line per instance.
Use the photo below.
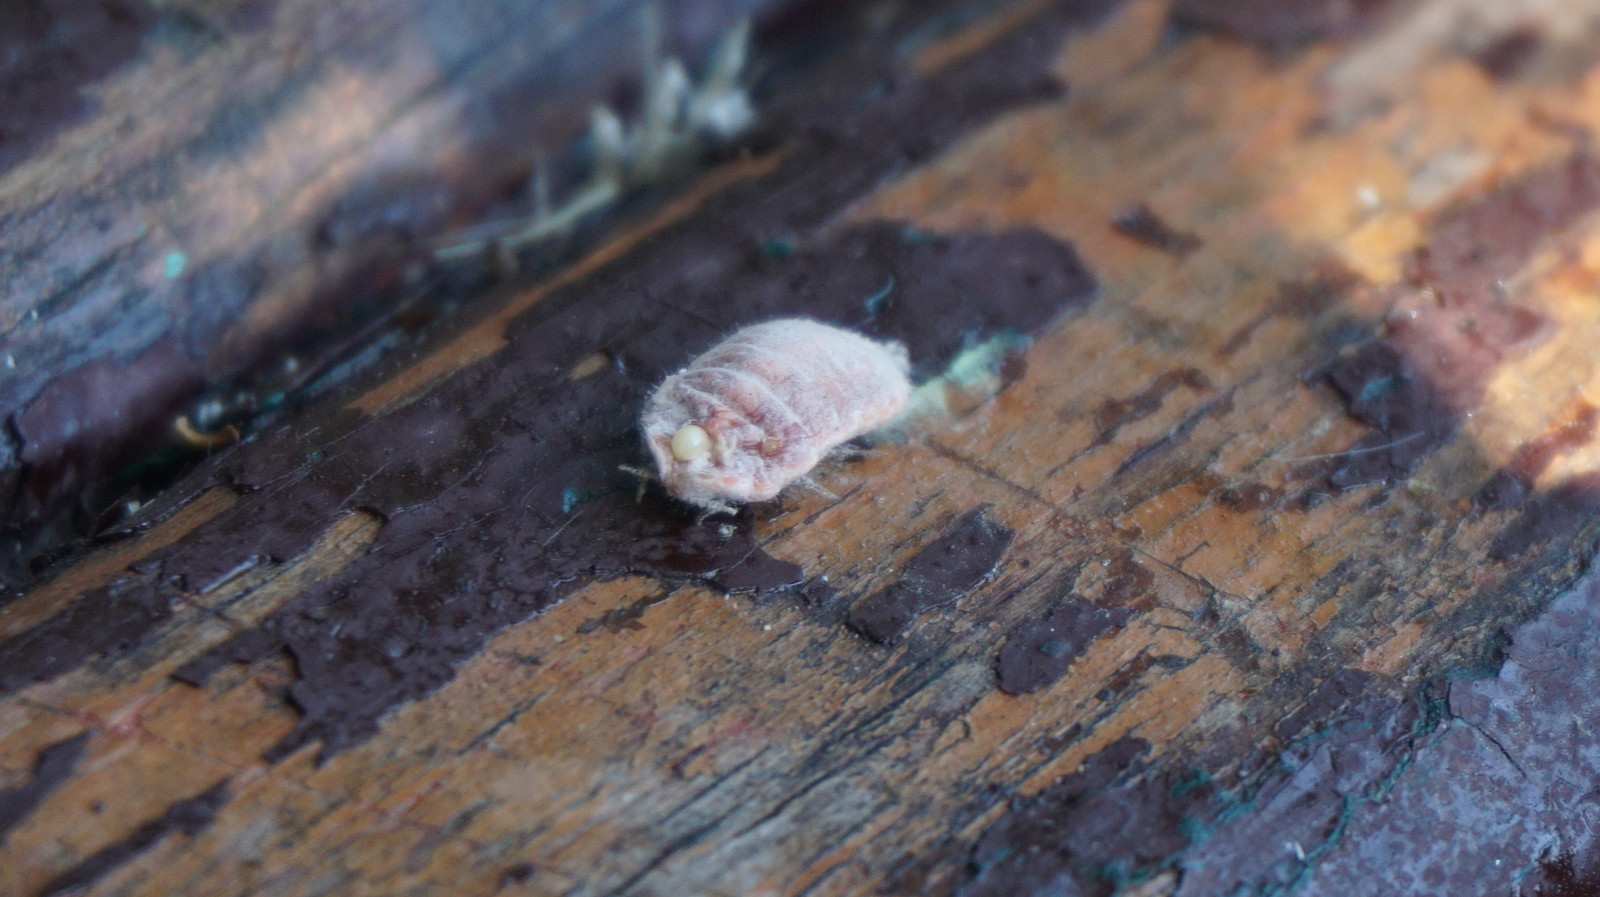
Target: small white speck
(33, 314)
(558, 639)
(11, 361)
(766, 627)
(1295, 848)
(1369, 196)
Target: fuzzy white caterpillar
(758, 410)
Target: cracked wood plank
(1268, 505)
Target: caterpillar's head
(712, 458)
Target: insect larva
(759, 409)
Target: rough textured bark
(1239, 543)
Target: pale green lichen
(973, 376)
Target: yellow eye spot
(690, 442)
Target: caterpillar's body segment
(759, 409)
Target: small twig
(678, 119)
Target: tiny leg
(646, 477)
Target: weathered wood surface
(214, 203)
(1260, 567)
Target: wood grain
(1166, 451)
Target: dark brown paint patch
(1381, 389)
(935, 872)
(1142, 224)
(1123, 581)
(1449, 332)
(1096, 829)
(1414, 385)
(517, 874)
(494, 513)
(1287, 812)
(109, 620)
(937, 576)
(1122, 680)
(1119, 822)
(1114, 414)
(848, 124)
(1280, 26)
(78, 258)
(1304, 299)
(1029, 279)
(1507, 55)
(52, 767)
(1337, 692)
(1474, 247)
(1038, 652)
(1550, 516)
(1463, 787)
(1220, 406)
(1509, 487)
(1563, 875)
(187, 816)
(500, 489)
(396, 623)
(627, 616)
